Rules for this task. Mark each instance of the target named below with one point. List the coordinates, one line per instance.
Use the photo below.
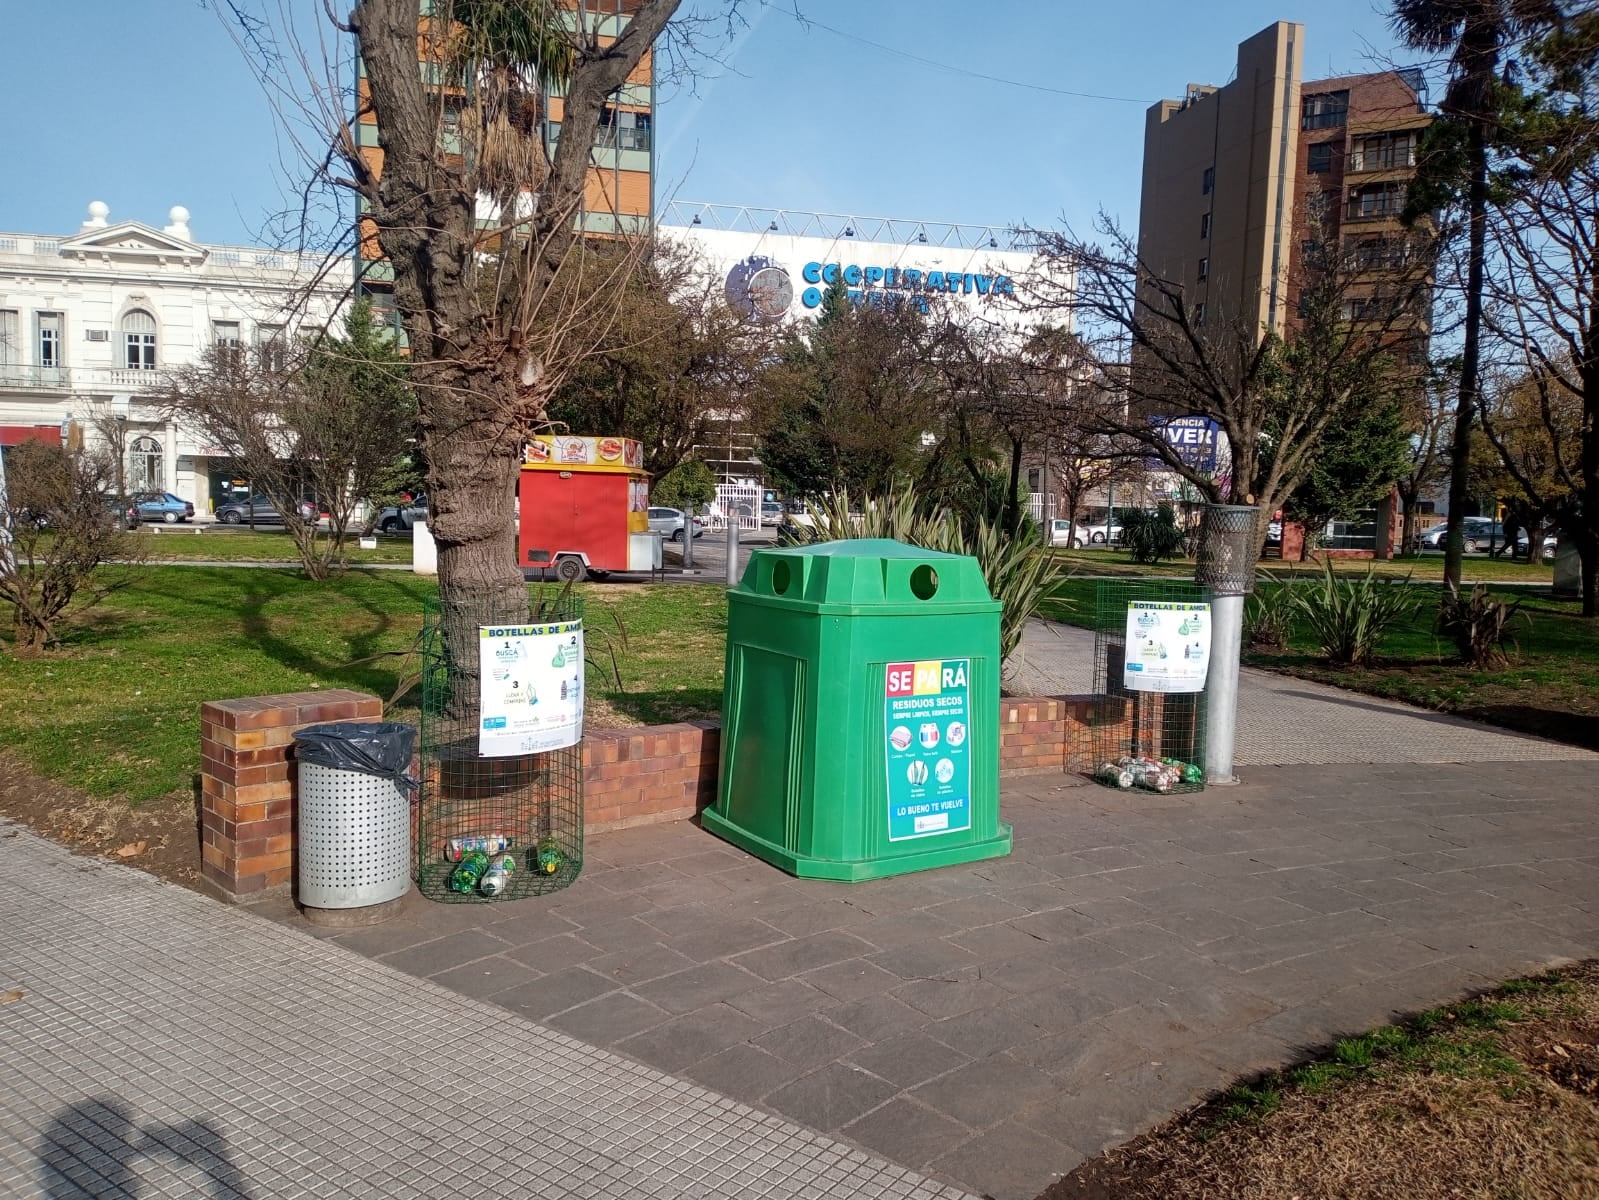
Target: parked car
(403, 517)
(258, 510)
(1099, 534)
(670, 522)
(1478, 533)
(771, 513)
(1062, 534)
(122, 510)
(162, 506)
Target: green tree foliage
(1356, 465)
(846, 401)
(1151, 534)
(686, 486)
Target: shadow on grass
(667, 706)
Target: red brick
(262, 863)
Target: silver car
(668, 522)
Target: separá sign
(531, 697)
(927, 722)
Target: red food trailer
(584, 505)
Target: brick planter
(640, 776)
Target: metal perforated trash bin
(354, 813)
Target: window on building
(1209, 180)
(1204, 225)
(623, 129)
(1383, 152)
(270, 347)
(1199, 313)
(138, 339)
(1310, 254)
(145, 470)
(225, 336)
(1323, 110)
(1377, 200)
(1321, 156)
(49, 327)
(10, 346)
(1204, 269)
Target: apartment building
(1251, 187)
(619, 196)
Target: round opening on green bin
(924, 582)
(780, 577)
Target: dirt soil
(161, 837)
(1514, 1114)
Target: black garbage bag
(381, 748)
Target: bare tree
(65, 531)
(1273, 396)
(1426, 463)
(322, 418)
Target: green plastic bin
(861, 710)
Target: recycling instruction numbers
(532, 688)
(1168, 647)
(927, 721)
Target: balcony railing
(612, 137)
(17, 375)
(1381, 210)
(1389, 158)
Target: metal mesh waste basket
(354, 813)
(1228, 549)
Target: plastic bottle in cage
(474, 865)
(457, 848)
(498, 876)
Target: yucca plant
(1350, 615)
(1478, 624)
(1021, 574)
(1269, 616)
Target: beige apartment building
(1248, 186)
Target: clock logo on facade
(759, 288)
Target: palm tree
(1475, 34)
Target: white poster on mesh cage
(1168, 647)
(531, 688)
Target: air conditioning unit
(97, 335)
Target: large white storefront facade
(90, 323)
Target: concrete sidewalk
(166, 1045)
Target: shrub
(1478, 624)
(1351, 615)
(1151, 536)
(1020, 572)
(1269, 616)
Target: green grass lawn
(191, 543)
(1421, 567)
(116, 711)
(1550, 686)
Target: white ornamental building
(89, 323)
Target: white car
(1098, 534)
(1061, 534)
(669, 522)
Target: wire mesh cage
(527, 806)
(1228, 548)
(1149, 740)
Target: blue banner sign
(1194, 439)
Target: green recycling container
(861, 712)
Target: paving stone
(877, 1017)
(851, 979)
(949, 997)
(907, 1132)
(987, 1091)
(629, 933)
(779, 1003)
(725, 938)
(909, 1059)
(996, 943)
(549, 994)
(926, 959)
(830, 1098)
(809, 1042)
(430, 958)
(1022, 976)
(973, 912)
(708, 983)
(787, 959)
(988, 1031)
(1013, 1161)
(802, 920)
(744, 1072)
(482, 979)
(896, 929)
(676, 1044)
(1060, 925)
(553, 953)
(630, 967)
(609, 1019)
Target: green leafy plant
(1350, 615)
(1020, 572)
(1151, 536)
(1478, 624)
(1269, 616)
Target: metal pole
(1110, 506)
(1221, 687)
(688, 539)
(732, 550)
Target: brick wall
(246, 783)
(639, 776)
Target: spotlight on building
(696, 220)
(848, 232)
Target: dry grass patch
(1496, 1098)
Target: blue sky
(159, 109)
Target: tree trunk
(1466, 409)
